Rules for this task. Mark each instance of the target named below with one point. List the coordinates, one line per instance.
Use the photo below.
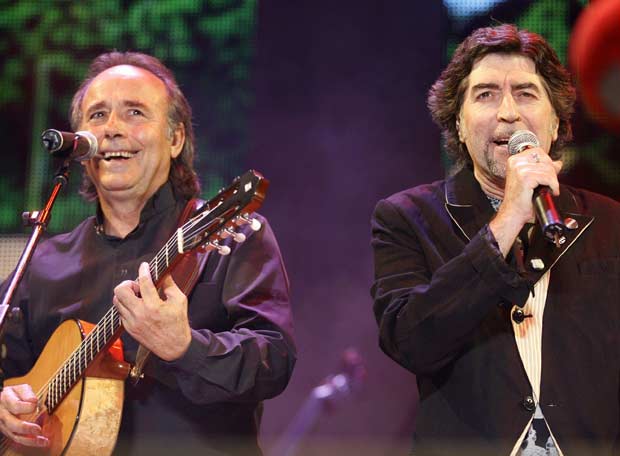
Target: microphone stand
(39, 220)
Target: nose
(508, 110)
(113, 127)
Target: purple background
(340, 122)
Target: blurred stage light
(594, 55)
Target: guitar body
(87, 420)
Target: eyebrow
(94, 107)
(126, 103)
(526, 85)
(493, 86)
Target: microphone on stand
(79, 146)
(551, 224)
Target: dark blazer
(442, 299)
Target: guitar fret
(64, 378)
(156, 269)
(75, 365)
(62, 385)
(59, 385)
(166, 252)
(96, 340)
(105, 329)
(48, 396)
(49, 393)
(70, 377)
(55, 392)
(180, 240)
(92, 353)
(67, 380)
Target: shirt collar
(162, 200)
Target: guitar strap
(185, 274)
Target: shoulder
(66, 242)
(592, 204)
(412, 202)
(604, 212)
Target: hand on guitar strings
(16, 401)
(160, 323)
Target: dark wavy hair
(446, 95)
(182, 174)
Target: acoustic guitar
(79, 376)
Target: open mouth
(116, 155)
(501, 142)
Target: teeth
(110, 155)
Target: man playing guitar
(216, 355)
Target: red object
(594, 55)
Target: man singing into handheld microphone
(514, 339)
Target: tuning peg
(221, 249)
(229, 232)
(255, 225)
(237, 237)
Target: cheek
(90, 168)
(150, 137)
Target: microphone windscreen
(90, 148)
(520, 140)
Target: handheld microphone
(79, 146)
(548, 218)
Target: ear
(177, 140)
(555, 126)
(462, 131)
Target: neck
(493, 187)
(121, 217)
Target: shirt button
(529, 404)
(518, 316)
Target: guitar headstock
(222, 215)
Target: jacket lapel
(542, 254)
(466, 203)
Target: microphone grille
(93, 146)
(520, 140)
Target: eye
(484, 95)
(96, 115)
(135, 112)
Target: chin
(111, 188)
(497, 169)
(496, 165)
